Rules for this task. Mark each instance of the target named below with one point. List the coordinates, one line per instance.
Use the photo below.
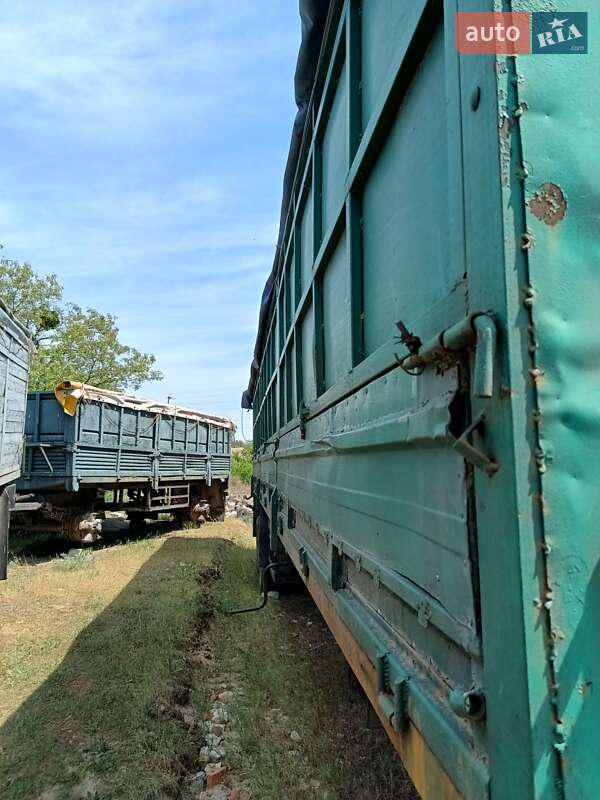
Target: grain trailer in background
(15, 354)
(89, 450)
(426, 391)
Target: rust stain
(549, 204)
(505, 127)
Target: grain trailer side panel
(83, 442)
(15, 353)
(425, 394)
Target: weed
(75, 559)
(241, 463)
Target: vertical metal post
(520, 733)
(36, 432)
(353, 201)
(119, 441)
(4, 409)
(355, 258)
(319, 336)
(101, 424)
(7, 501)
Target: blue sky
(143, 148)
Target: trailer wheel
(137, 522)
(196, 514)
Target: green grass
(98, 652)
(293, 678)
(241, 463)
(89, 645)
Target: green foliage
(241, 466)
(72, 343)
(86, 348)
(34, 299)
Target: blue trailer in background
(15, 350)
(89, 450)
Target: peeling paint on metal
(549, 204)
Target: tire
(137, 523)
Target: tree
(72, 343)
(35, 300)
(86, 348)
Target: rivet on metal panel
(540, 459)
(528, 241)
(528, 296)
(520, 110)
(537, 374)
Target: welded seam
(544, 603)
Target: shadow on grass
(39, 547)
(295, 678)
(107, 722)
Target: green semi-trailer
(426, 390)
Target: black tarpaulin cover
(313, 14)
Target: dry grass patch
(110, 659)
(87, 645)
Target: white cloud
(144, 143)
(104, 66)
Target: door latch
(478, 330)
(470, 452)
